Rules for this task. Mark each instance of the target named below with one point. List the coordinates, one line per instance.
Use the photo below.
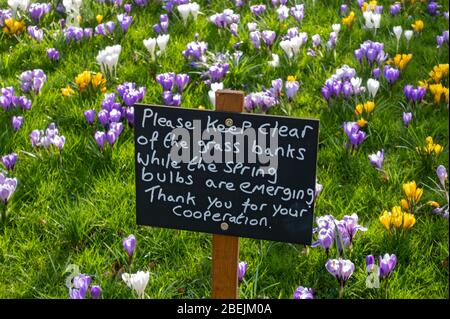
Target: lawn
(75, 206)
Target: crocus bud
(370, 263)
(129, 244)
(16, 122)
(242, 269)
(407, 117)
(441, 173)
(9, 161)
(90, 116)
(96, 291)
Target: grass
(77, 207)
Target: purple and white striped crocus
(291, 86)
(268, 37)
(182, 81)
(341, 269)
(348, 227)
(17, 122)
(242, 269)
(377, 159)
(386, 265)
(35, 33)
(129, 244)
(441, 173)
(7, 188)
(354, 134)
(407, 118)
(391, 74)
(100, 139)
(303, 293)
(9, 161)
(124, 21)
(52, 54)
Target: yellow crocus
(437, 90)
(361, 122)
(397, 216)
(98, 80)
(385, 219)
(438, 149)
(348, 20)
(99, 18)
(412, 192)
(83, 80)
(67, 91)
(434, 204)
(291, 78)
(404, 203)
(439, 72)
(418, 25)
(429, 140)
(367, 107)
(408, 220)
(400, 60)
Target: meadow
(74, 202)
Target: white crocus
(161, 41)
(408, 35)
(372, 20)
(212, 92)
(398, 34)
(150, 44)
(18, 4)
(356, 84)
(195, 9)
(275, 61)
(184, 10)
(336, 28)
(252, 26)
(376, 17)
(137, 281)
(373, 86)
(73, 11)
(108, 58)
(286, 47)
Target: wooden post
(225, 249)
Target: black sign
(226, 173)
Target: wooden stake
(225, 249)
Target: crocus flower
(298, 12)
(162, 41)
(9, 161)
(341, 269)
(138, 281)
(407, 117)
(344, 9)
(100, 139)
(255, 37)
(370, 263)
(38, 10)
(129, 244)
(386, 265)
(376, 73)
(7, 188)
(376, 159)
(89, 116)
(441, 173)
(391, 74)
(124, 21)
(316, 40)
(35, 33)
(150, 44)
(303, 293)
(414, 94)
(182, 80)
(325, 239)
(96, 291)
(372, 87)
(318, 189)
(292, 87)
(242, 269)
(354, 135)
(268, 37)
(258, 9)
(17, 122)
(53, 54)
(348, 227)
(395, 8)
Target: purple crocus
(433, 8)
(395, 8)
(9, 161)
(100, 139)
(17, 122)
(298, 12)
(127, 7)
(7, 188)
(376, 73)
(325, 239)
(303, 293)
(166, 80)
(376, 159)
(218, 71)
(182, 81)
(348, 227)
(80, 286)
(414, 95)
(344, 9)
(96, 291)
(341, 269)
(441, 173)
(268, 37)
(370, 263)
(38, 10)
(386, 265)
(255, 37)
(32, 80)
(407, 117)
(242, 269)
(53, 54)
(391, 74)
(124, 21)
(89, 115)
(258, 9)
(129, 244)
(35, 33)
(354, 135)
(291, 88)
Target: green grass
(75, 209)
